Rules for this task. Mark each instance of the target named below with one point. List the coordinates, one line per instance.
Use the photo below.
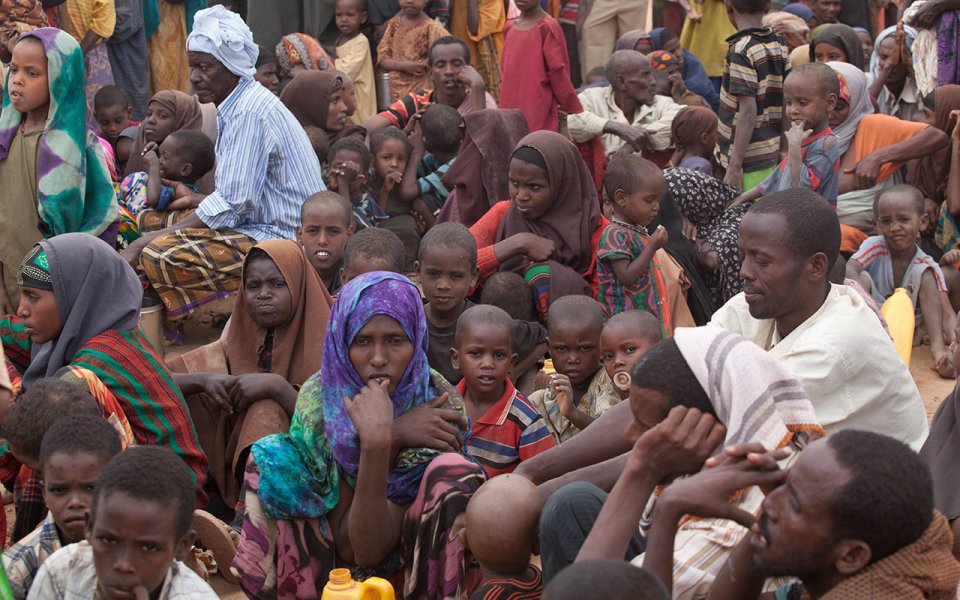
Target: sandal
(216, 536)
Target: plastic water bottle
(342, 587)
(899, 314)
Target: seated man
(852, 518)
(265, 170)
(455, 83)
(626, 111)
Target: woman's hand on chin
(372, 414)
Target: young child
(326, 225)
(536, 69)
(511, 292)
(138, 532)
(319, 141)
(391, 151)
(751, 96)
(183, 157)
(506, 427)
(580, 390)
(435, 141)
(892, 259)
(112, 111)
(403, 49)
(693, 135)
(629, 275)
(349, 171)
(73, 452)
(813, 157)
(625, 339)
(372, 249)
(447, 271)
(503, 541)
(354, 58)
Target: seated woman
(80, 308)
(371, 473)
(243, 387)
(549, 229)
(688, 388)
(691, 69)
(316, 99)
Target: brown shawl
(186, 111)
(929, 173)
(308, 95)
(926, 569)
(298, 346)
(478, 177)
(571, 220)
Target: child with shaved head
(506, 428)
(502, 519)
(580, 390)
(625, 339)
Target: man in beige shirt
(626, 112)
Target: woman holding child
(548, 230)
(316, 99)
(370, 473)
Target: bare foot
(944, 366)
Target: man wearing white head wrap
(894, 86)
(265, 169)
(223, 34)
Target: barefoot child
(625, 339)
(403, 49)
(579, 391)
(813, 156)
(73, 452)
(506, 427)
(353, 57)
(447, 271)
(138, 532)
(326, 225)
(628, 270)
(502, 520)
(892, 259)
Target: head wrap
(96, 291)
(911, 34)
(223, 34)
(930, 173)
(308, 95)
(571, 219)
(297, 344)
(630, 39)
(300, 471)
(478, 178)
(35, 270)
(801, 10)
(800, 55)
(663, 60)
(660, 36)
(791, 21)
(840, 36)
(690, 124)
(186, 115)
(74, 189)
(299, 49)
(854, 90)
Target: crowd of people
(499, 298)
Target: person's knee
(572, 503)
(929, 286)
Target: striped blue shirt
(266, 167)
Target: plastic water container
(899, 314)
(342, 587)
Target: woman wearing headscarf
(837, 43)
(299, 52)
(53, 172)
(181, 109)
(691, 69)
(894, 85)
(316, 99)
(331, 492)
(80, 307)
(242, 387)
(478, 178)
(549, 229)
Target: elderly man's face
(211, 81)
(771, 270)
(638, 82)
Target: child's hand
(416, 141)
(950, 258)
(150, 158)
(413, 121)
(372, 413)
(659, 237)
(796, 134)
(391, 180)
(562, 391)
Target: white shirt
(599, 108)
(845, 361)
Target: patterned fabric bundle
(299, 49)
(73, 183)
